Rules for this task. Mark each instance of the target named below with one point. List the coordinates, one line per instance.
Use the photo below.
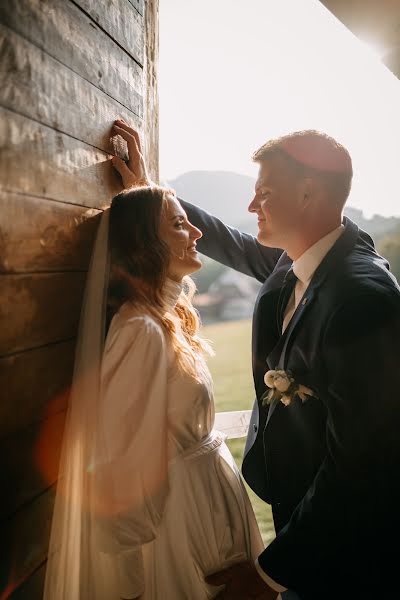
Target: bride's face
(181, 237)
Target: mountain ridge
(226, 194)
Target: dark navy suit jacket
(330, 467)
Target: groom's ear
(306, 192)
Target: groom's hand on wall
(242, 582)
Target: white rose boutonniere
(282, 386)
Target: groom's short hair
(313, 153)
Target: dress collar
(172, 291)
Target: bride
(149, 499)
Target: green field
(233, 385)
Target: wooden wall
(68, 68)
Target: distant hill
(222, 193)
(227, 196)
(377, 226)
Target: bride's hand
(134, 171)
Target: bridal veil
(76, 570)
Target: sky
(234, 73)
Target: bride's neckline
(171, 292)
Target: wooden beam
(376, 22)
(40, 235)
(121, 21)
(26, 537)
(371, 20)
(32, 587)
(30, 463)
(39, 309)
(139, 5)
(34, 84)
(52, 164)
(34, 385)
(151, 125)
(63, 31)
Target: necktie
(288, 286)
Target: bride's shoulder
(137, 316)
(134, 325)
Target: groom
(327, 317)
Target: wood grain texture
(39, 309)
(63, 31)
(151, 123)
(26, 538)
(121, 21)
(67, 69)
(139, 5)
(37, 234)
(34, 385)
(35, 159)
(35, 85)
(30, 462)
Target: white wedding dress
(179, 509)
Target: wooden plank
(139, 5)
(39, 309)
(151, 125)
(37, 234)
(30, 462)
(34, 385)
(26, 538)
(34, 84)
(121, 21)
(64, 32)
(36, 160)
(32, 588)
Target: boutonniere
(282, 386)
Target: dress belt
(213, 440)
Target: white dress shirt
(304, 268)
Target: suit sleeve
(356, 486)
(131, 479)
(231, 247)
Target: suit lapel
(279, 356)
(265, 332)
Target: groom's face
(276, 203)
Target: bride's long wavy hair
(139, 269)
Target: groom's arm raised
(227, 245)
(231, 247)
(354, 498)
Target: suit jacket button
(255, 428)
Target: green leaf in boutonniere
(303, 392)
(282, 386)
(269, 396)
